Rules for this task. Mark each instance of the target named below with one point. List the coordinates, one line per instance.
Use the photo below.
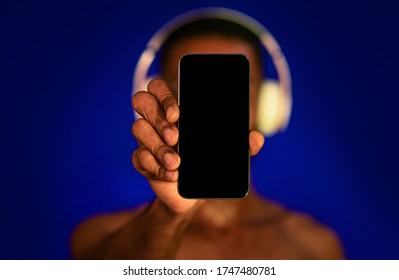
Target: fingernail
(169, 112)
(169, 135)
(169, 159)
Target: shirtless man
(170, 227)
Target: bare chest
(245, 243)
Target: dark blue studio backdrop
(65, 141)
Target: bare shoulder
(319, 240)
(92, 231)
(315, 239)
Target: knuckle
(135, 159)
(155, 85)
(163, 91)
(150, 164)
(159, 122)
(168, 100)
(159, 171)
(139, 125)
(137, 99)
(159, 150)
(146, 157)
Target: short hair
(211, 26)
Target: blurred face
(216, 44)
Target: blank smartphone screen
(213, 126)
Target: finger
(166, 97)
(147, 165)
(256, 141)
(148, 107)
(146, 134)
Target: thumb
(256, 141)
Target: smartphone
(213, 126)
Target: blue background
(65, 141)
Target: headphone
(275, 98)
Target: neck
(227, 213)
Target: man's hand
(156, 134)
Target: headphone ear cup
(274, 108)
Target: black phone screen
(213, 126)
